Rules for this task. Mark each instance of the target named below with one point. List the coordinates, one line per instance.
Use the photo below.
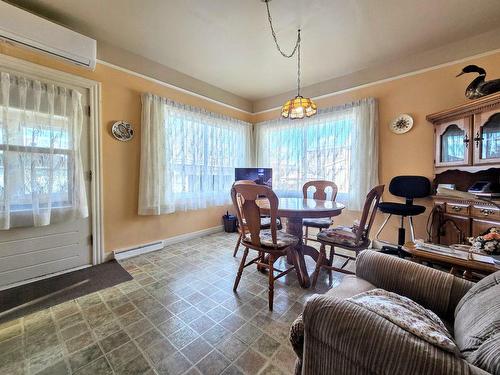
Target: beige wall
(123, 228)
(417, 95)
(411, 153)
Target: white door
(28, 253)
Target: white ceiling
(227, 43)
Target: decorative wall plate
(401, 124)
(122, 131)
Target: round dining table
(295, 210)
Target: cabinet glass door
(487, 138)
(452, 143)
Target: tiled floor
(178, 316)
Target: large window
(300, 153)
(339, 144)
(188, 156)
(41, 178)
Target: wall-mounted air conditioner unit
(27, 29)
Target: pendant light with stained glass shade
(298, 107)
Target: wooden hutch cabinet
(456, 219)
(467, 150)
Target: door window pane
(40, 157)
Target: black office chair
(408, 187)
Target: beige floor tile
(196, 350)
(266, 345)
(178, 314)
(74, 330)
(120, 356)
(232, 348)
(114, 341)
(214, 363)
(99, 366)
(251, 362)
(174, 364)
(84, 357)
(149, 338)
(160, 351)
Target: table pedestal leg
(296, 254)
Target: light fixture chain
(297, 43)
(298, 107)
(298, 65)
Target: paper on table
(460, 254)
(420, 244)
(483, 258)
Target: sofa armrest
(297, 335)
(344, 338)
(436, 290)
(297, 340)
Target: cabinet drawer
(489, 213)
(457, 209)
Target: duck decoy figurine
(479, 87)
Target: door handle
(466, 141)
(486, 211)
(478, 139)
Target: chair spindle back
(369, 212)
(320, 187)
(245, 197)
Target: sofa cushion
(350, 286)
(407, 315)
(477, 324)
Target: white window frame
(43, 73)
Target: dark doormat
(29, 298)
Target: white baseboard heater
(124, 254)
(158, 245)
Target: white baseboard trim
(124, 254)
(158, 245)
(192, 235)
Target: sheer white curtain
(188, 156)
(41, 174)
(338, 144)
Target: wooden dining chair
(265, 221)
(270, 243)
(319, 187)
(355, 237)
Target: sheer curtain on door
(338, 144)
(188, 156)
(41, 174)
